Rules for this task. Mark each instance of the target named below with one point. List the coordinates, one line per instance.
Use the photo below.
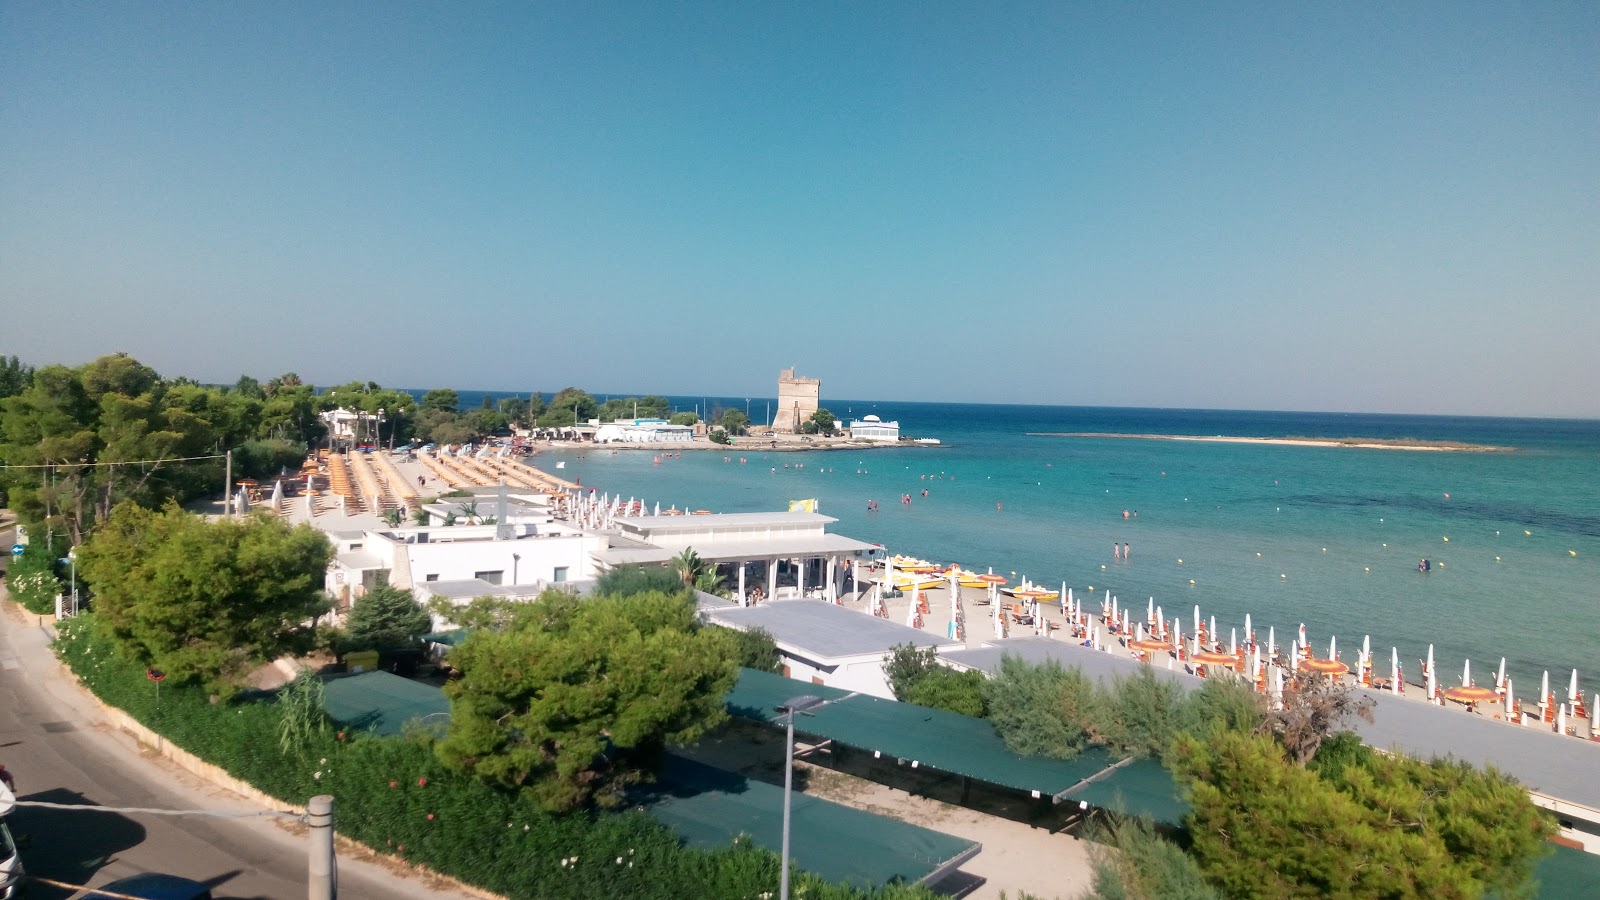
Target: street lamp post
(73, 556)
(802, 705)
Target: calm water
(1327, 536)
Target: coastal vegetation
(575, 700)
(387, 618)
(205, 602)
(1284, 802)
(396, 795)
(33, 579)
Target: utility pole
(227, 487)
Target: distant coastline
(1295, 441)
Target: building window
(434, 576)
(495, 577)
(354, 547)
(560, 574)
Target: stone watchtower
(797, 401)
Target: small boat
(967, 579)
(918, 583)
(909, 564)
(1029, 591)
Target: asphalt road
(54, 743)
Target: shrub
(32, 580)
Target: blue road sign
(16, 549)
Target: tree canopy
(385, 618)
(1373, 826)
(578, 698)
(206, 602)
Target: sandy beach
(1355, 442)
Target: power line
(120, 462)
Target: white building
(782, 553)
(827, 644)
(642, 431)
(871, 428)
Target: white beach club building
(785, 554)
(642, 431)
(872, 428)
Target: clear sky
(1387, 207)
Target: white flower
(316, 774)
(324, 761)
(619, 860)
(563, 862)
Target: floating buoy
(1180, 562)
(1016, 573)
(1497, 559)
(1191, 581)
(1572, 552)
(1102, 568)
(1282, 575)
(1527, 532)
(1258, 552)
(1324, 549)
(1447, 540)
(1369, 568)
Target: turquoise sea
(1328, 536)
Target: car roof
(156, 886)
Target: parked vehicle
(10, 862)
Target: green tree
(945, 688)
(905, 666)
(695, 573)
(1133, 862)
(824, 421)
(386, 618)
(1141, 713)
(684, 418)
(14, 377)
(1041, 709)
(32, 580)
(1368, 826)
(206, 602)
(625, 580)
(735, 421)
(441, 400)
(755, 649)
(566, 403)
(580, 698)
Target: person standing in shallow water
(1127, 551)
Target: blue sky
(1365, 207)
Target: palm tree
(696, 573)
(470, 510)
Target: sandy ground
(1024, 846)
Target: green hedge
(31, 578)
(393, 795)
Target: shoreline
(784, 444)
(1352, 442)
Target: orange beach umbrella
(1470, 694)
(1150, 645)
(1214, 658)
(1324, 666)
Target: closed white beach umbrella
(1433, 685)
(1301, 641)
(1466, 673)
(1255, 663)
(1150, 610)
(1366, 651)
(1294, 658)
(955, 604)
(1211, 632)
(1430, 669)
(1544, 690)
(658, 507)
(1114, 617)
(1272, 641)
(277, 494)
(1511, 701)
(1333, 647)
(1594, 716)
(911, 613)
(1066, 601)
(1248, 629)
(1197, 619)
(1561, 719)
(1233, 642)
(1394, 671)
(1500, 677)
(743, 598)
(1572, 687)
(1277, 687)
